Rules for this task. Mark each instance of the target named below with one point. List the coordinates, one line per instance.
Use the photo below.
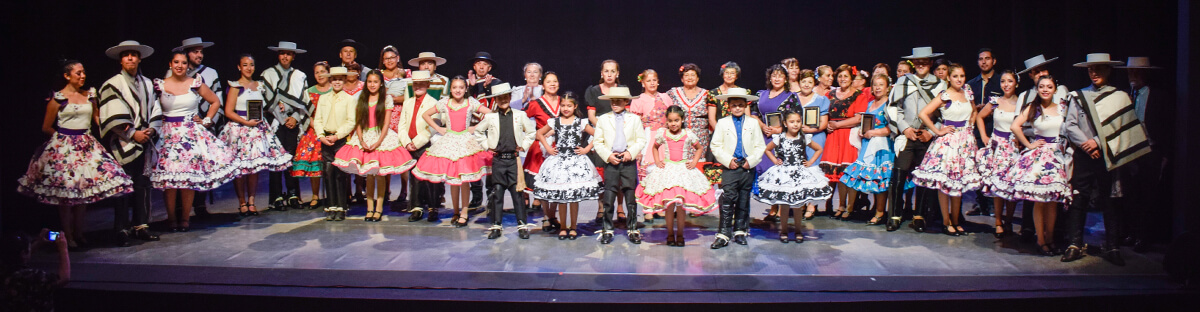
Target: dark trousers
(735, 200)
(620, 178)
(423, 194)
(477, 193)
(504, 178)
(1092, 183)
(289, 138)
(334, 177)
(139, 201)
(906, 161)
(1141, 186)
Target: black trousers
(334, 177)
(1141, 184)
(504, 178)
(907, 161)
(620, 179)
(138, 202)
(278, 180)
(477, 193)
(423, 194)
(735, 200)
(1092, 183)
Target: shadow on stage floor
(297, 255)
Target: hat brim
(725, 97)
(185, 47)
(297, 51)
(917, 57)
(417, 61)
(1138, 67)
(1022, 72)
(144, 51)
(326, 75)
(490, 61)
(1086, 64)
(614, 97)
(497, 94)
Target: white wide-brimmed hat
(144, 51)
(1035, 62)
(287, 46)
(1138, 62)
(922, 53)
(498, 90)
(1098, 59)
(336, 71)
(617, 93)
(740, 93)
(420, 75)
(191, 43)
(426, 56)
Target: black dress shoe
(635, 238)
(771, 218)
(523, 233)
(551, 225)
(280, 205)
(1071, 254)
(341, 215)
(144, 234)
(415, 215)
(740, 239)
(1113, 255)
(918, 225)
(893, 225)
(330, 215)
(294, 202)
(494, 234)
(433, 215)
(719, 243)
(121, 239)
(606, 238)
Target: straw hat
(498, 90)
(922, 53)
(740, 93)
(287, 46)
(426, 56)
(336, 71)
(114, 52)
(1138, 62)
(420, 75)
(1035, 62)
(191, 43)
(617, 93)
(1098, 59)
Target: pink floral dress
(949, 164)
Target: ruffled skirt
(307, 162)
(871, 173)
(675, 184)
(454, 159)
(994, 162)
(189, 157)
(73, 170)
(949, 165)
(388, 159)
(567, 178)
(792, 185)
(255, 149)
(1040, 175)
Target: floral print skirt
(949, 164)
(994, 162)
(1040, 175)
(255, 149)
(189, 157)
(73, 170)
(307, 162)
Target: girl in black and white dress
(567, 176)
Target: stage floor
(299, 250)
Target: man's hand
(290, 123)
(612, 159)
(911, 134)
(1089, 146)
(732, 164)
(141, 136)
(925, 136)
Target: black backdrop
(568, 37)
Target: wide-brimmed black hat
(350, 43)
(484, 56)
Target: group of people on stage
(928, 133)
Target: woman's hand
(810, 162)
(582, 150)
(1036, 144)
(660, 164)
(777, 161)
(691, 165)
(946, 130)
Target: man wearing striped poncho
(1105, 134)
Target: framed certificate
(773, 120)
(254, 110)
(812, 117)
(867, 123)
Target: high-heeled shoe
(837, 215)
(671, 240)
(184, 227)
(877, 220)
(918, 225)
(243, 212)
(574, 234)
(1000, 232)
(563, 235)
(808, 214)
(783, 237)
(1046, 250)
(948, 231)
(253, 210)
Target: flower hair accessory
(854, 69)
(722, 67)
(640, 76)
(681, 68)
